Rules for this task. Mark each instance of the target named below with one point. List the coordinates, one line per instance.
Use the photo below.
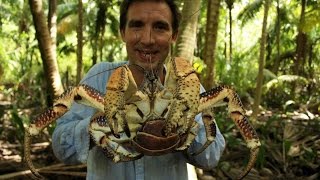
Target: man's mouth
(146, 55)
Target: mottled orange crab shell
(151, 141)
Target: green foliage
(278, 91)
(278, 81)
(237, 73)
(312, 17)
(250, 11)
(18, 121)
(66, 9)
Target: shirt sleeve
(210, 157)
(70, 138)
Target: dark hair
(176, 16)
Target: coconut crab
(153, 119)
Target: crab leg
(237, 113)
(82, 94)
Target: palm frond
(311, 19)
(249, 11)
(65, 10)
(284, 78)
(269, 74)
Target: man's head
(176, 16)
(148, 27)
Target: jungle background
(267, 50)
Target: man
(148, 28)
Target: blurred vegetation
(289, 121)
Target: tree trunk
(45, 45)
(52, 25)
(98, 37)
(276, 63)
(80, 43)
(301, 49)
(210, 42)
(186, 41)
(230, 6)
(258, 91)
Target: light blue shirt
(71, 144)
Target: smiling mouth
(147, 56)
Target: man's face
(148, 33)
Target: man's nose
(147, 36)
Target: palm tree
(230, 6)
(258, 90)
(276, 64)
(186, 41)
(210, 42)
(52, 24)
(45, 45)
(302, 42)
(80, 39)
(97, 41)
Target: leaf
(249, 12)
(281, 79)
(17, 120)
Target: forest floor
(290, 150)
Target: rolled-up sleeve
(71, 139)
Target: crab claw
(27, 158)
(114, 124)
(251, 138)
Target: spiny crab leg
(237, 113)
(82, 94)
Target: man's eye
(161, 26)
(135, 24)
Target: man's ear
(174, 36)
(122, 35)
